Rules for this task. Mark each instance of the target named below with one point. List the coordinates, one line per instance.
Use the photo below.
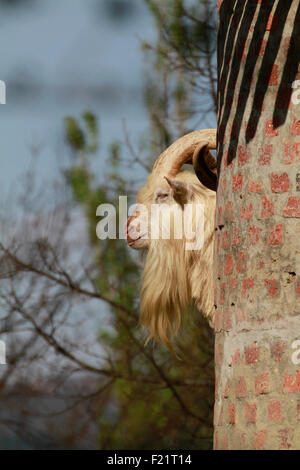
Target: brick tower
(257, 243)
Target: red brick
(295, 128)
(291, 384)
(261, 264)
(291, 153)
(277, 349)
(236, 357)
(275, 237)
(267, 208)
(293, 207)
(241, 388)
(220, 220)
(222, 292)
(265, 155)
(273, 80)
(243, 155)
(253, 235)
(247, 284)
(274, 410)
(251, 354)
(229, 211)
(231, 414)
(246, 212)
(241, 262)
(236, 237)
(225, 241)
(286, 437)
(260, 438)
(250, 413)
(237, 183)
(227, 321)
(280, 182)
(254, 187)
(222, 186)
(228, 265)
(270, 131)
(220, 268)
(262, 383)
(272, 287)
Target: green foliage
(92, 128)
(116, 267)
(185, 26)
(148, 416)
(80, 139)
(74, 134)
(79, 179)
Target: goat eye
(161, 196)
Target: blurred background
(95, 90)
(65, 57)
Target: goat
(173, 276)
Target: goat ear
(205, 166)
(179, 190)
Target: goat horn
(184, 150)
(205, 166)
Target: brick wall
(257, 244)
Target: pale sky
(72, 60)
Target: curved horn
(205, 166)
(183, 151)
